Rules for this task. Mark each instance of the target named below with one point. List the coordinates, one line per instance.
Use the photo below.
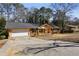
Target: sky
(36, 5)
(75, 12)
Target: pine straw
(2, 42)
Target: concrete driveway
(47, 48)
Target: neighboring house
(19, 29)
(73, 27)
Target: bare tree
(60, 12)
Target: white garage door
(19, 34)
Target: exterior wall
(56, 31)
(48, 30)
(9, 37)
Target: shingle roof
(12, 25)
(73, 26)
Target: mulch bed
(2, 42)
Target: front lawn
(73, 37)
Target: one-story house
(27, 29)
(19, 29)
(73, 27)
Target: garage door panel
(19, 34)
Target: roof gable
(46, 26)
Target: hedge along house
(16, 29)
